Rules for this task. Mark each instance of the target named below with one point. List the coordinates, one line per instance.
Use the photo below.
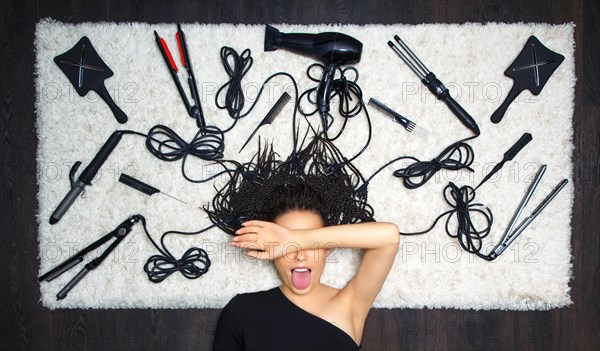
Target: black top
(267, 320)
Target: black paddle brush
(530, 70)
(86, 71)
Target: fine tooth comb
(270, 117)
(409, 125)
(530, 70)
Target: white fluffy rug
(430, 271)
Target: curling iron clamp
(433, 84)
(513, 231)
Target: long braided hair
(316, 178)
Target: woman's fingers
(246, 230)
(248, 237)
(245, 238)
(255, 223)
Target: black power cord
(193, 264)
(236, 66)
(463, 209)
(166, 145)
(209, 142)
(463, 227)
(458, 155)
(455, 157)
(351, 104)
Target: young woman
(294, 218)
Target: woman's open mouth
(301, 277)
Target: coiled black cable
(455, 157)
(209, 142)
(167, 145)
(462, 211)
(193, 264)
(348, 91)
(236, 66)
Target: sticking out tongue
(300, 280)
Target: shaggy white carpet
(430, 270)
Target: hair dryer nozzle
(273, 38)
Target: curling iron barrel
(433, 84)
(438, 89)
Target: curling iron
(85, 178)
(434, 85)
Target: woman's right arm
(378, 239)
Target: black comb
(409, 125)
(270, 117)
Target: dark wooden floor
(25, 324)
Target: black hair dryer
(332, 48)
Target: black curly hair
(317, 178)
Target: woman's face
(300, 271)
